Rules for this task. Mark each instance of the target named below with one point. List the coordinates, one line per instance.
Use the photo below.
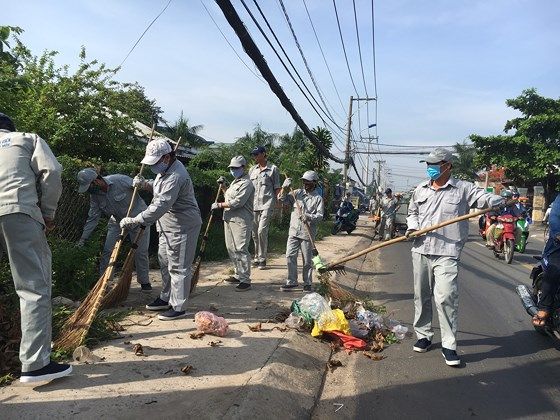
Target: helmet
(85, 178)
(155, 150)
(310, 176)
(506, 194)
(6, 123)
(388, 191)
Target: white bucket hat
(155, 150)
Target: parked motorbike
(345, 220)
(504, 236)
(530, 299)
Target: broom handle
(300, 210)
(205, 236)
(417, 233)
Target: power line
(145, 30)
(344, 48)
(359, 46)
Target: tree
(531, 154)
(463, 166)
(188, 133)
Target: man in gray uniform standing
(111, 195)
(175, 210)
(238, 220)
(435, 255)
(27, 164)
(312, 210)
(388, 213)
(266, 180)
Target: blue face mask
(236, 172)
(433, 171)
(159, 167)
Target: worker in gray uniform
(266, 180)
(27, 165)
(111, 196)
(238, 221)
(312, 210)
(389, 206)
(175, 211)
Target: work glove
(80, 243)
(409, 232)
(222, 180)
(139, 182)
(287, 182)
(215, 206)
(129, 222)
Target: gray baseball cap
(439, 155)
(85, 178)
(237, 162)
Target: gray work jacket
(429, 207)
(113, 203)
(389, 206)
(27, 165)
(174, 205)
(313, 207)
(239, 196)
(265, 181)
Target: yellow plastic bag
(332, 320)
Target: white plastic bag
(314, 304)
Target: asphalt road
(508, 370)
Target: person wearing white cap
(175, 211)
(238, 222)
(435, 255)
(266, 180)
(28, 166)
(312, 210)
(111, 195)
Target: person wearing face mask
(175, 211)
(388, 213)
(238, 222)
(110, 196)
(435, 255)
(312, 210)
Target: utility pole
(347, 151)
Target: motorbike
(523, 225)
(530, 298)
(345, 220)
(504, 236)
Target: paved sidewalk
(271, 373)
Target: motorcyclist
(519, 205)
(511, 209)
(346, 205)
(551, 266)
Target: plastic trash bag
(296, 310)
(371, 319)
(294, 321)
(400, 331)
(210, 323)
(333, 320)
(358, 329)
(314, 304)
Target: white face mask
(236, 172)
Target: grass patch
(6, 380)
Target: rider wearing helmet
(511, 209)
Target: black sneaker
(147, 287)
(158, 305)
(255, 263)
(232, 279)
(52, 371)
(307, 288)
(422, 345)
(289, 287)
(450, 356)
(242, 287)
(171, 314)
(262, 265)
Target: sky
(443, 69)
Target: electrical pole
(347, 151)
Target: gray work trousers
(176, 254)
(261, 221)
(293, 246)
(24, 240)
(436, 276)
(237, 235)
(386, 227)
(141, 260)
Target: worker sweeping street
(266, 180)
(388, 213)
(175, 211)
(238, 222)
(309, 211)
(27, 165)
(111, 196)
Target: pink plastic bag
(209, 323)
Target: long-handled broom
(338, 266)
(200, 255)
(120, 290)
(77, 326)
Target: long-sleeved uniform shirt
(266, 181)
(552, 245)
(389, 206)
(311, 204)
(174, 206)
(429, 206)
(113, 203)
(27, 164)
(240, 196)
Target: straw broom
(197, 263)
(76, 327)
(120, 290)
(337, 292)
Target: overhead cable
(344, 48)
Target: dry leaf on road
(197, 335)
(373, 356)
(256, 327)
(333, 364)
(187, 369)
(138, 350)
(215, 343)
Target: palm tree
(189, 133)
